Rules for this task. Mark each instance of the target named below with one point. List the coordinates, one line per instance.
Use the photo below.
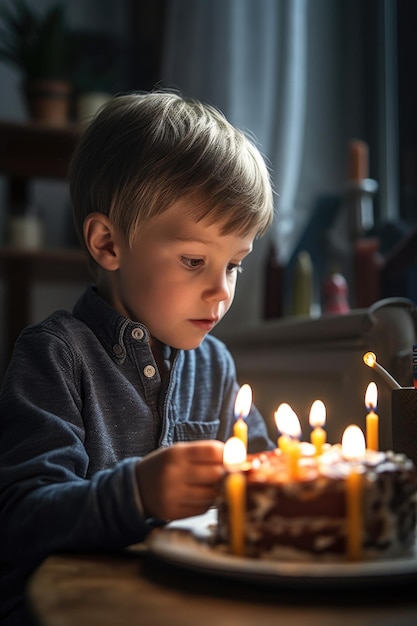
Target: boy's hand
(182, 480)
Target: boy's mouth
(205, 324)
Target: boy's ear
(101, 240)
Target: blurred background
(327, 87)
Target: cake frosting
(305, 517)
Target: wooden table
(123, 589)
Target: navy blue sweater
(82, 401)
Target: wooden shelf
(20, 269)
(27, 151)
(46, 265)
(36, 150)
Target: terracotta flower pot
(48, 101)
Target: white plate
(185, 543)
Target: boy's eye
(191, 264)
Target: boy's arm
(47, 503)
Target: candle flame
(243, 401)
(317, 414)
(371, 396)
(369, 359)
(234, 452)
(287, 421)
(353, 442)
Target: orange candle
(235, 485)
(289, 425)
(353, 447)
(318, 439)
(294, 453)
(372, 420)
(240, 430)
(235, 493)
(354, 509)
(284, 443)
(317, 420)
(242, 407)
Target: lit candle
(234, 455)
(353, 447)
(371, 400)
(242, 407)
(370, 360)
(317, 419)
(289, 425)
(281, 419)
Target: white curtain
(248, 58)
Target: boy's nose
(218, 288)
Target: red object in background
(335, 294)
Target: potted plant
(40, 46)
(94, 71)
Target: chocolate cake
(306, 517)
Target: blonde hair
(143, 152)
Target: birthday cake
(307, 517)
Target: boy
(113, 417)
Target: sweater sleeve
(48, 501)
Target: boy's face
(179, 277)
